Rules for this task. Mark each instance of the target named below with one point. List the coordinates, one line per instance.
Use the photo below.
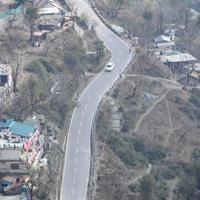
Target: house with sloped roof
(16, 131)
(176, 60)
(163, 43)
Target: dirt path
(172, 84)
(146, 172)
(171, 124)
(172, 186)
(150, 110)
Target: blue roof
(21, 129)
(6, 124)
(17, 128)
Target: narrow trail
(171, 124)
(150, 110)
(146, 172)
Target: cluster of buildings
(52, 17)
(22, 146)
(184, 65)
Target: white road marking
(81, 124)
(75, 171)
(79, 132)
(85, 106)
(78, 141)
(76, 150)
(73, 190)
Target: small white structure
(162, 39)
(5, 75)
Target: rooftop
(161, 39)
(18, 128)
(173, 56)
(165, 44)
(21, 129)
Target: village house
(163, 43)
(5, 81)
(51, 17)
(176, 60)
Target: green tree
(99, 46)
(147, 186)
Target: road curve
(77, 159)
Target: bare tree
(116, 5)
(15, 74)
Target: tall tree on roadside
(99, 46)
(116, 5)
(32, 15)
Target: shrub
(49, 66)
(196, 154)
(37, 68)
(125, 127)
(71, 60)
(153, 153)
(188, 110)
(195, 100)
(121, 148)
(197, 113)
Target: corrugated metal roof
(175, 58)
(17, 128)
(21, 129)
(6, 124)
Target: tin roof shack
(38, 37)
(163, 43)
(51, 16)
(176, 60)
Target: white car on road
(109, 67)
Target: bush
(125, 127)
(71, 60)
(121, 148)
(37, 68)
(196, 154)
(49, 66)
(41, 67)
(152, 153)
(195, 100)
(188, 110)
(178, 100)
(197, 113)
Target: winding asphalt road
(77, 160)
